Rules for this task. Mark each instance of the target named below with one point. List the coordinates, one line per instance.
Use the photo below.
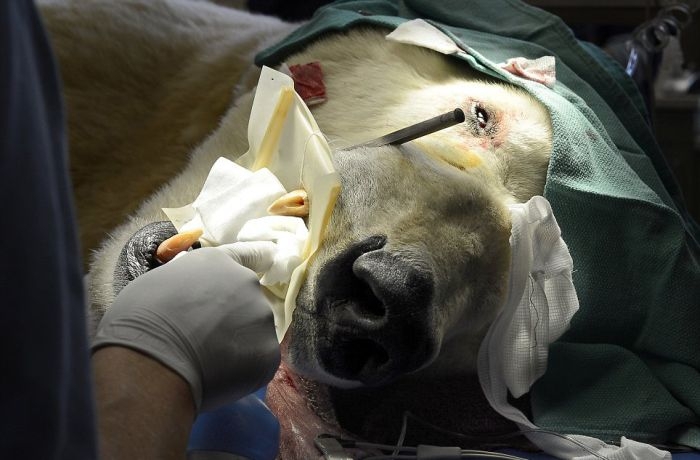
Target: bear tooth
(294, 203)
(177, 243)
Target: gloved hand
(203, 315)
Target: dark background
(675, 115)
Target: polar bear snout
(376, 307)
(411, 270)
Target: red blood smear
(308, 82)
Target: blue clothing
(45, 388)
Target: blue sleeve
(45, 386)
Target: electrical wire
(402, 435)
(392, 456)
(467, 453)
(463, 454)
(482, 437)
(371, 445)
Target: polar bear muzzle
(413, 261)
(376, 306)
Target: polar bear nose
(377, 305)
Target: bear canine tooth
(294, 203)
(174, 245)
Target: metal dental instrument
(421, 129)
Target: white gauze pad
(287, 151)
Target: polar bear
(414, 265)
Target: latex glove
(205, 317)
(255, 255)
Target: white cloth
(232, 206)
(301, 159)
(289, 235)
(542, 70)
(540, 304)
(418, 32)
(230, 196)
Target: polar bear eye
(481, 116)
(481, 121)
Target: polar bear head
(415, 262)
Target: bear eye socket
(481, 120)
(482, 117)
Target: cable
(413, 452)
(468, 437)
(481, 437)
(487, 454)
(463, 454)
(566, 437)
(388, 457)
(402, 435)
(370, 445)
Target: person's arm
(144, 409)
(190, 335)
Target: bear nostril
(399, 286)
(358, 359)
(371, 243)
(366, 356)
(367, 304)
(338, 285)
(368, 286)
(376, 306)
